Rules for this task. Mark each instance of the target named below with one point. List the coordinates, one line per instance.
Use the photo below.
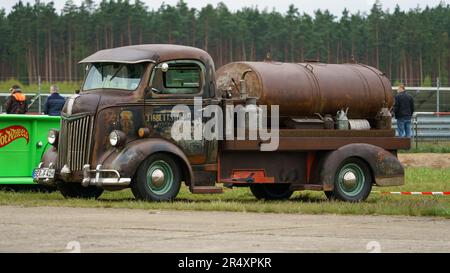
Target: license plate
(43, 173)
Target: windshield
(114, 75)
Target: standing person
(16, 103)
(403, 111)
(54, 103)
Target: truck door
(179, 84)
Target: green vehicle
(23, 141)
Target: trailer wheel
(271, 191)
(76, 190)
(352, 181)
(158, 179)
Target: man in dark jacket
(54, 103)
(16, 103)
(403, 111)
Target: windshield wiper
(154, 90)
(117, 72)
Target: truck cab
(122, 116)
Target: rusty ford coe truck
(330, 123)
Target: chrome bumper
(94, 177)
(90, 177)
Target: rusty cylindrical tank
(307, 88)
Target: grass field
(241, 200)
(428, 147)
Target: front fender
(50, 156)
(127, 160)
(48, 160)
(386, 168)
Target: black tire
(329, 194)
(357, 189)
(76, 190)
(165, 187)
(271, 191)
(28, 188)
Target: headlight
(52, 137)
(113, 138)
(117, 138)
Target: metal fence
(430, 129)
(426, 99)
(431, 121)
(429, 99)
(35, 102)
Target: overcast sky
(308, 6)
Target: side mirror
(164, 67)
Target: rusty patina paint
(305, 89)
(299, 90)
(318, 143)
(127, 160)
(385, 167)
(128, 111)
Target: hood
(83, 103)
(91, 101)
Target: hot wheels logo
(11, 133)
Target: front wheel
(76, 190)
(352, 181)
(271, 191)
(158, 179)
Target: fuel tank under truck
(304, 89)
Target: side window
(180, 78)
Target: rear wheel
(158, 179)
(271, 191)
(76, 190)
(352, 181)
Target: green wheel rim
(159, 177)
(351, 179)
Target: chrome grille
(75, 140)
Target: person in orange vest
(16, 103)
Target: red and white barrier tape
(417, 192)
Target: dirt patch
(437, 161)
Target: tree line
(409, 46)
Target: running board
(206, 189)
